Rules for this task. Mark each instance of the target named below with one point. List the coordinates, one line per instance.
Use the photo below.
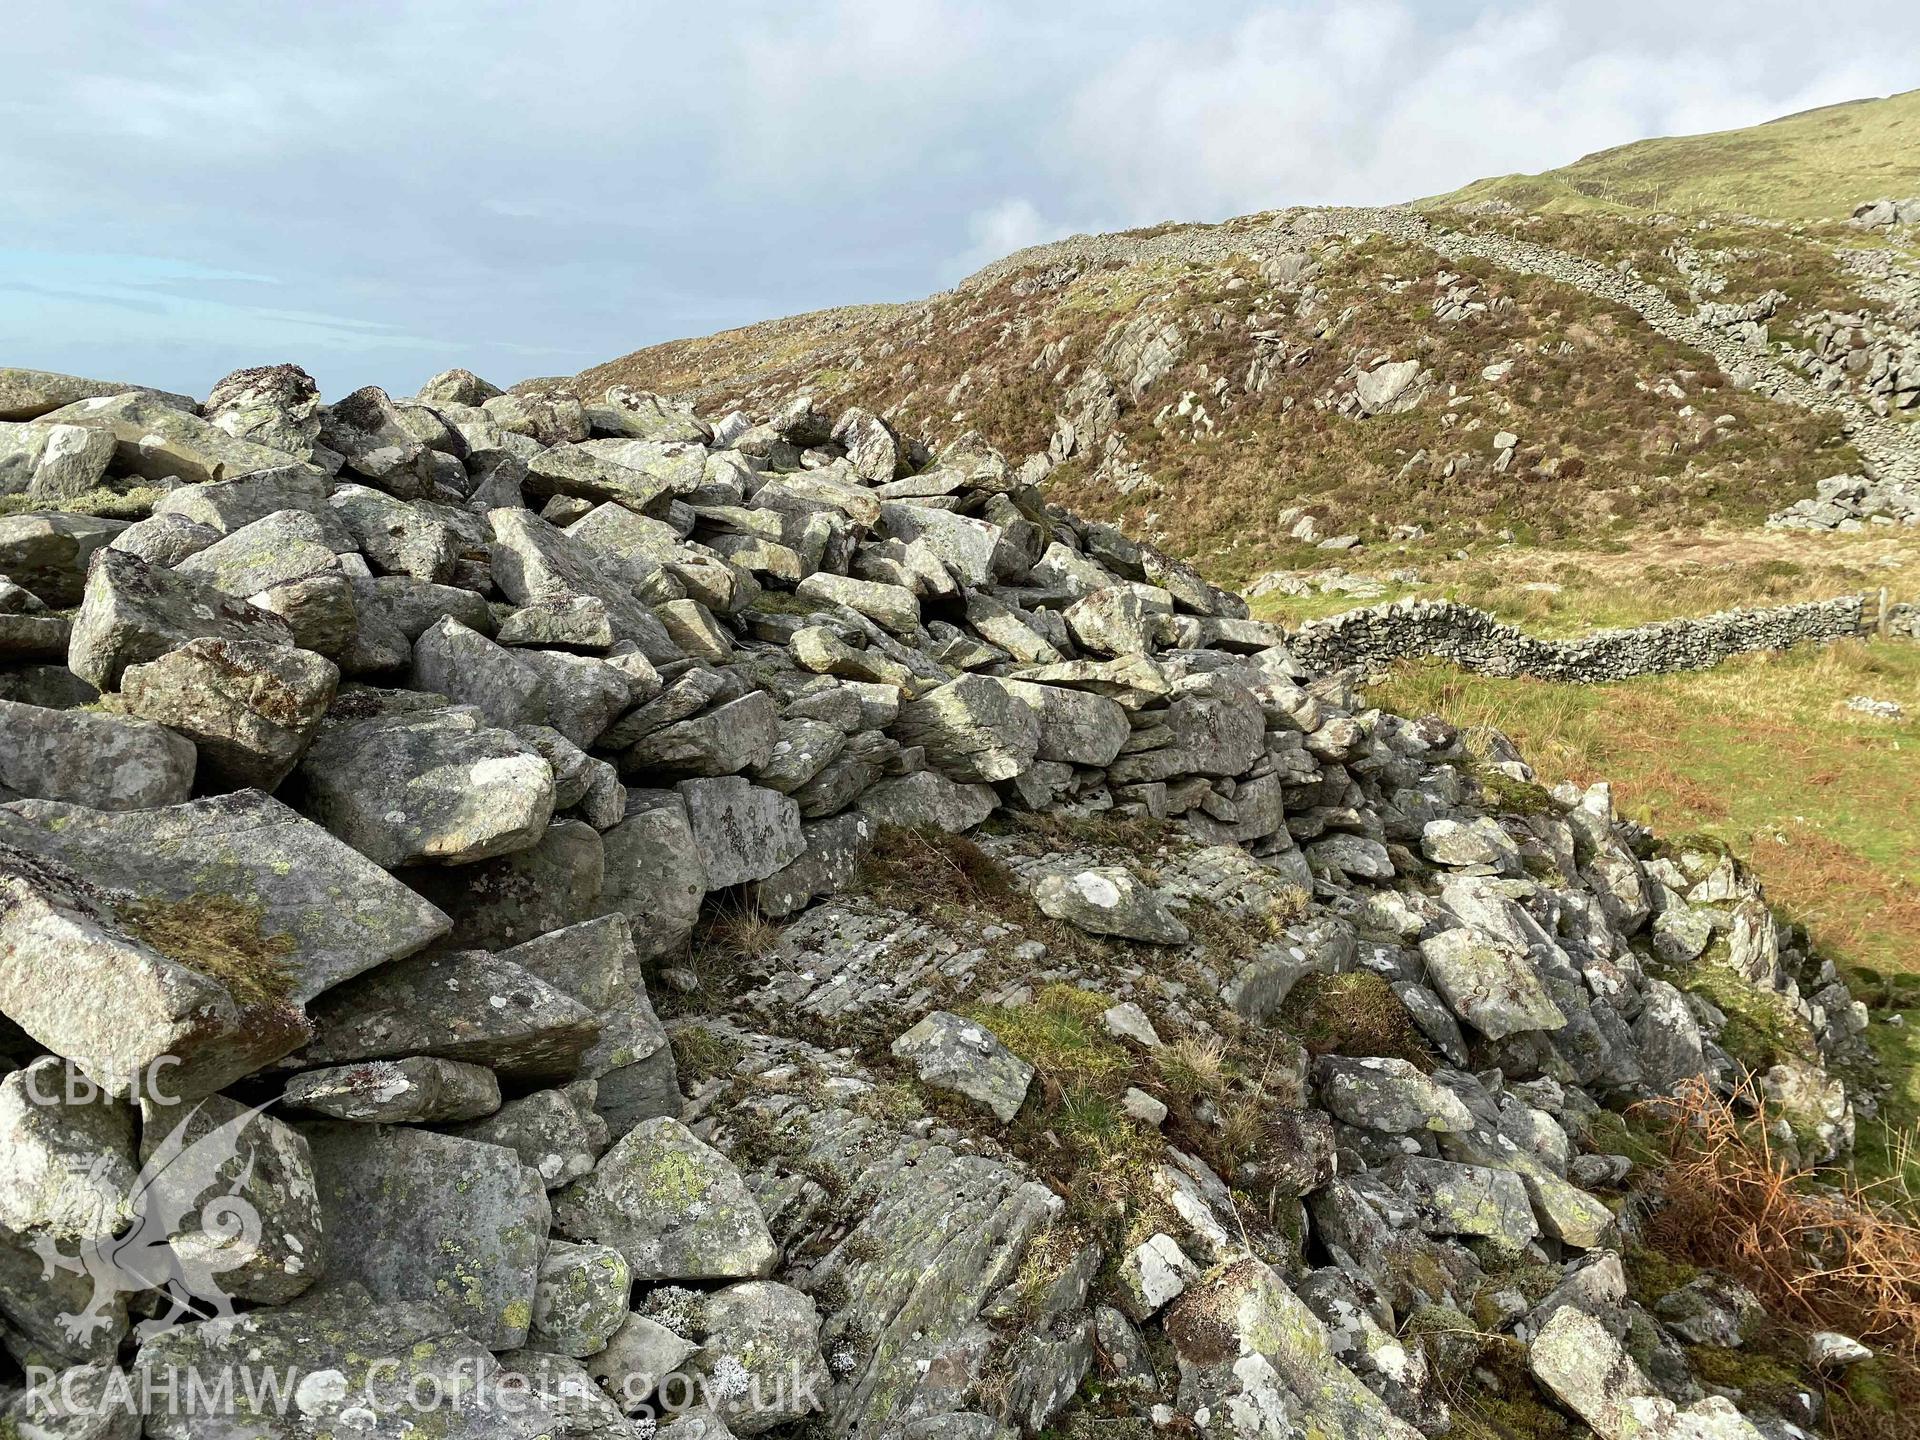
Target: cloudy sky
(379, 191)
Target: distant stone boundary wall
(1375, 637)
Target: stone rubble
(414, 747)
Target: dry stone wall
(1374, 637)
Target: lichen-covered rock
(672, 1205)
(760, 1356)
(549, 1131)
(350, 1360)
(581, 1300)
(1389, 1096)
(134, 612)
(246, 872)
(416, 1216)
(249, 707)
(459, 1005)
(1109, 900)
(1492, 986)
(102, 761)
(432, 786)
(1258, 1365)
(951, 1053)
(264, 1175)
(157, 440)
(273, 405)
(415, 1089)
(974, 729)
(636, 1358)
(85, 1402)
(49, 555)
(741, 831)
(51, 463)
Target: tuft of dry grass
(1826, 1255)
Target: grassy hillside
(1812, 166)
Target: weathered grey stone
(726, 740)
(456, 387)
(273, 405)
(250, 707)
(52, 463)
(1711, 1309)
(1389, 1096)
(29, 394)
(249, 860)
(355, 1363)
(434, 786)
(416, 1089)
(456, 1004)
(974, 729)
(1258, 1362)
(892, 606)
(159, 441)
(133, 612)
(84, 1402)
(1076, 727)
(1490, 984)
(366, 429)
(1109, 900)
(672, 1205)
(1154, 1273)
(397, 538)
(229, 505)
(801, 750)
(79, 974)
(68, 1179)
(1469, 842)
(926, 798)
(964, 545)
(549, 1133)
(1115, 620)
(416, 1216)
(951, 1053)
(741, 831)
(581, 1300)
(760, 1356)
(654, 872)
(49, 554)
(102, 761)
(534, 563)
(642, 415)
(835, 848)
(638, 1356)
(580, 621)
(264, 1165)
(1454, 1199)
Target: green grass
(1816, 165)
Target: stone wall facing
(1372, 638)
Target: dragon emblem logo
(191, 1223)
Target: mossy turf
(219, 936)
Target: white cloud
(1002, 228)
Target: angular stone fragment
(346, 1364)
(250, 708)
(273, 405)
(760, 1356)
(726, 740)
(952, 1053)
(1491, 985)
(52, 463)
(640, 1354)
(131, 991)
(49, 554)
(741, 831)
(926, 798)
(1453, 1199)
(224, 1149)
(654, 873)
(1153, 1274)
(397, 538)
(533, 564)
(366, 428)
(159, 441)
(1390, 1096)
(1472, 842)
(1109, 900)
(84, 1402)
(434, 786)
(133, 612)
(263, 874)
(416, 1216)
(459, 1005)
(672, 1205)
(1260, 1364)
(548, 1131)
(1076, 728)
(413, 1090)
(229, 505)
(29, 394)
(974, 729)
(102, 761)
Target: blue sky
(381, 191)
